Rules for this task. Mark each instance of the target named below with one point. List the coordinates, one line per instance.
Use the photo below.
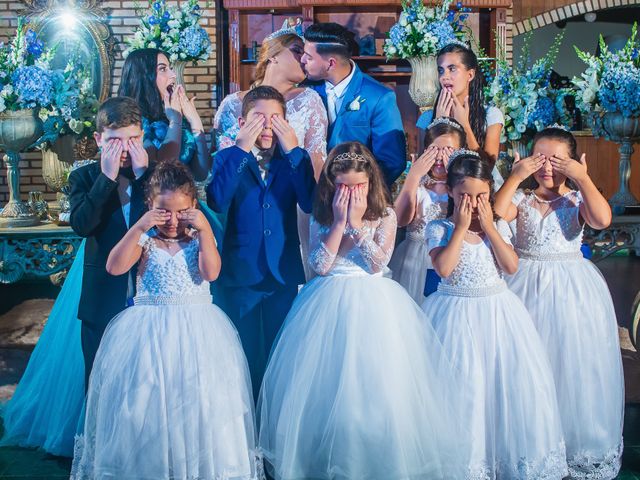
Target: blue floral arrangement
(421, 31)
(174, 30)
(524, 94)
(64, 98)
(611, 82)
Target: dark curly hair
(477, 110)
(170, 176)
(139, 82)
(469, 166)
(361, 160)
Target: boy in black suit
(106, 198)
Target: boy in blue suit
(258, 182)
(360, 108)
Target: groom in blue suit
(259, 182)
(359, 108)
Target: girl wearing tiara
(488, 333)
(169, 395)
(568, 298)
(357, 385)
(423, 198)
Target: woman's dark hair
(468, 165)
(445, 129)
(332, 39)
(477, 111)
(170, 176)
(350, 157)
(139, 82)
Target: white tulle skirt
(357, 387)
(514, 418)
(169, 398)
(572, 309)
(409, 266)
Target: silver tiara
(463, 152)
(289, 27)
(347, 156)
(445, 121)
(457, 41)
(557, 125)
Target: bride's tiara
(463, 152)
(558, 126)
(289, 27)
(445, 121)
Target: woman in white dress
(514, 419)
(357, 386)
(568, 298)
(170, 394)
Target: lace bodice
(370, 255)
(477, 267)
(556, 232)
(305, 113)
(429, 206)
(163, 275)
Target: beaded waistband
(416, 237)
(472, 291)
(172, 299)
(550, 256)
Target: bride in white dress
(169, 395)
(279, 67)
(357, 386)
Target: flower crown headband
(463, 152)
(289, 27)
(445, 121)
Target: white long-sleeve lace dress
(308, 117)
(170, 393)
(573, 311)
(357, 385)
(487, 331)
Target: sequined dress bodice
(430, 206)
(369, 256)
(163, 276)
(477, 272)
(556, 234)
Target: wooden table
(36, 252)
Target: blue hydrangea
(397, 34)
(443, 31)
(619, 89)
(543, 115)
(35, 47)
(194, 41)
(33, 85)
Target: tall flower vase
(424, 86)
(56, 165)
(178, 67)
(18, 130)
(626, 132)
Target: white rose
(152, 45)
(354, 106)
(403, 19)
(391, 50)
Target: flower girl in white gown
(357, 386)
(169, 396)
(488, 333)
(424, 198)
(568, 298)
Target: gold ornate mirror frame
(92, 17)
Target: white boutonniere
(354, 106)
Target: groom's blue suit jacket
(261, 234)
(376, 124)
